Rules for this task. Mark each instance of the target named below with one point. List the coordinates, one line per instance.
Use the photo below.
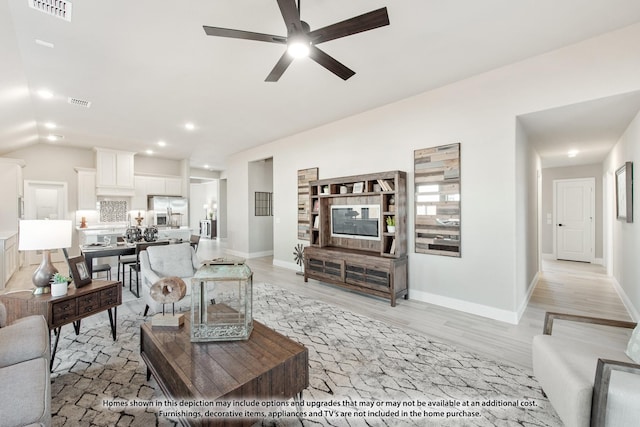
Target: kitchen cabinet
(114, 173)
(11, 192)
(86, 189)
(9, 256)
(154, 185)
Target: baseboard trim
(465, 306)
(525, 303)
(633, 312)
(286, 264)
(248, 255)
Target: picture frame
(358, 187)
(624, 192)
(79, 271)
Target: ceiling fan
(301, 41)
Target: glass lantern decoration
(222, 301)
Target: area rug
(363, 372)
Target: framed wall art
(624, 192)
(437, 200)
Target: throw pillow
(633, 348)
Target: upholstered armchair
(589, 383)
(157, 262)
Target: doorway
(45, 200)
(574, 222)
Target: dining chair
(135, 266)
(195, 240)
(123, 261)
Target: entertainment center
(358, 236)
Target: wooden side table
(77, 304)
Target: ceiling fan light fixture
(298, 47)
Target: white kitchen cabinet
(86, 189)
(154, 185)
(173, 186)
(9, 256)
(114, 173)
(10, 193)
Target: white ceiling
(591, 128)
(147, 66)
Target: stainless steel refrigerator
(168, 211)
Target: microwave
(161, 219)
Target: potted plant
(391, 224)
(59, 286)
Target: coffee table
(267, 366)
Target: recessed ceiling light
(45, 94)
(53, 138)
(189, 126)
(572, 153)
(44, 43)
(162, 144)
(50, 125)
(206, 166)
(149, 152)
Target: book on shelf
(386, 185)
(316, 221)
(392, 250)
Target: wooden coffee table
(267, 366)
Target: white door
(574, 222)
(45, 200)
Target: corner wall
(494, 273)
(626, 236)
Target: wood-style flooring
(563, 286)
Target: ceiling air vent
(79, 102)
(58, 8)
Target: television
(355, 221)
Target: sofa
(589, 383)
(156, 262)
(25, 384)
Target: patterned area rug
(363, 372)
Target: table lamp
(44, 235)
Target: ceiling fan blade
(330, 63)
(246, 35)
(291, 15)
(365, 22)
(282, 64)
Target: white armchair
(157, 262)
(588, 383)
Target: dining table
(92, 251)
(99, 250)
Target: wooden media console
(350, 243)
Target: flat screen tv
(356, 221)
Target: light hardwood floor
(563, 286)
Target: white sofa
(25, 385)
(157, 262)
(588, 383)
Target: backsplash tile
(113, 211)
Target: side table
(77, 304)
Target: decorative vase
(58, 289)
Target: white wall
(260, 227)
(626, 236)
(201, 194)
(528, 171)
(480, 112)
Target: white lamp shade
(41, 234)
